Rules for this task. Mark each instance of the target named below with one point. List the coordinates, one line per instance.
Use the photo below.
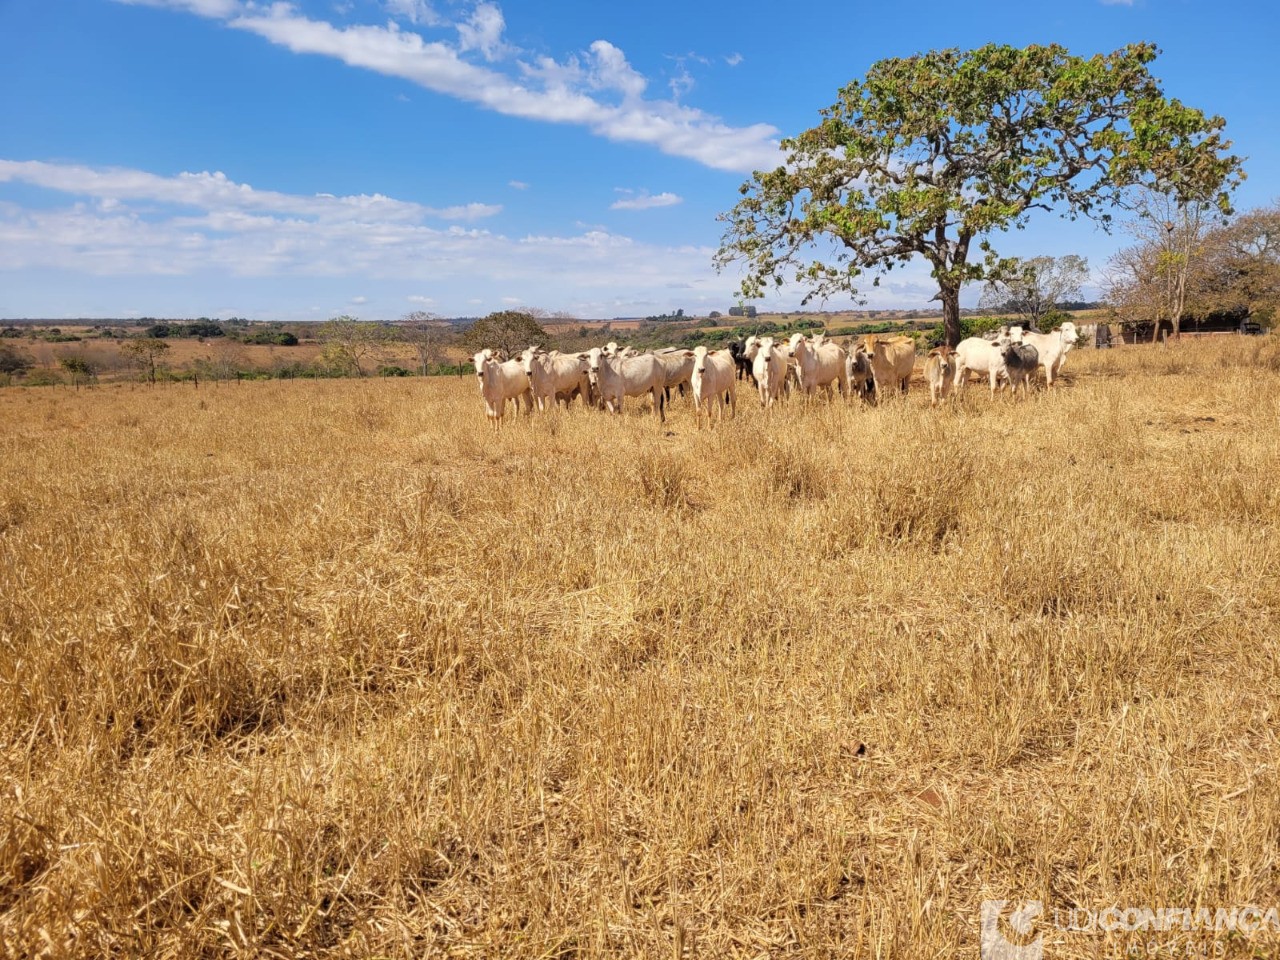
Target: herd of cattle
(872, 367)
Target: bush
(203, 329)
(11, 361)
(393, 371)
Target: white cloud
(482, 31)
(600, 91)
(358, 300)
(733, 59)
(644, 201)
(610, 71)
(418, 12)
(517, 185)
(170, 232)
(681, 82)
(218, 194)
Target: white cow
(500, 382)
(679, 367)
(714, 378)
(982, 357)
(1053, 348)
(819, 364)
(613, 378)
(611, 349)
(555, 376)
(770, 369)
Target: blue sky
(306, 159)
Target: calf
(939, 368)
(1020, 362)
(741, 362)
(858, 371)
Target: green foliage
(394, 371)
(510, 331)
(203, 329)
(969, 327)
(929, 154)
(276, 338)
(80, 369)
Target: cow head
(699, 355)
(479, 360)
(594, 358)
(794, 344)
(526, 360)
(1069, 332)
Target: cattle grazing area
(332, 668)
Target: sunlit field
(330, 668)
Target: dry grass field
(329, 669)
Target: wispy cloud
(517, 185)
(597, 89)
(218, 194)
(733, 59)
(642, 200)
(417, 12)
(482, 31)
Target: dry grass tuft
(324, 669)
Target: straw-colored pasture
(331, 669)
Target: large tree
(929, 155)
(509, 331)
(349, 342)
(1239, 268)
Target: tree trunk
(950, 297)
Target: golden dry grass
(329, 669)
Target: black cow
(741, 361)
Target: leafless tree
(1033, 288)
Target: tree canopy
(930, 154)
(510, 331)
(1034, 288)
